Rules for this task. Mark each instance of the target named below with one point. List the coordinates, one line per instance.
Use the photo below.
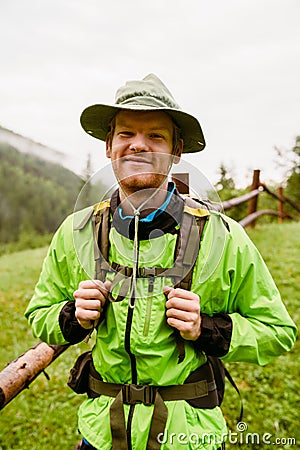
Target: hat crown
(140, 92)
(148, 94)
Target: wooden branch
(18, 374)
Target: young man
(160, 302)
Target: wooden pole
(252, 207)
(18, 374)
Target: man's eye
(125, 133)
(156, 136)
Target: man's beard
(141, 181)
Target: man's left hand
(183, 312)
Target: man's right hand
(89, 301)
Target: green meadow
(44, 416)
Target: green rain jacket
(229, 276)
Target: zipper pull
(151, 284)
(88, 336)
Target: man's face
(141, 149)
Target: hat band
(147, 101)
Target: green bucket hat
(149, 94)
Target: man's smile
(137, 159)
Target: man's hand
(89, 301)
(183, 312)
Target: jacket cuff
(215, 336)
(69, 325)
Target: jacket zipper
(133, 367)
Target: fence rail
(256, 189)
(253, 214)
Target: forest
(35, 195)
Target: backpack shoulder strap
(188, 243)
(101, 227)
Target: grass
(45, 415)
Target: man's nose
(138, 143)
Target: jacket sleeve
(72, 331)
(241, 287)
(59, 278)
(215, 335)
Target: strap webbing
(133, 394)
(117, 423)
(158, 422)
(148, 395)
(233, 384)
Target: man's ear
(178, 153)
(108, 145)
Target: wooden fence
(257, 188)
(253, 213)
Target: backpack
(195, 216)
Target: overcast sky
(234, 64)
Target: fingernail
(167, 288)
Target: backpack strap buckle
(147, 272)
(133, 393)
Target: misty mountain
(35, 194)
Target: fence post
(252, 207)
(280, 204)
(182, 182)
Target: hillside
(36, 194)
(26, 145)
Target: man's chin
(135, 182)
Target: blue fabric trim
(158, 211)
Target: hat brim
(95, 120)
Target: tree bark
(18, 374)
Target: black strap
(233, 384)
